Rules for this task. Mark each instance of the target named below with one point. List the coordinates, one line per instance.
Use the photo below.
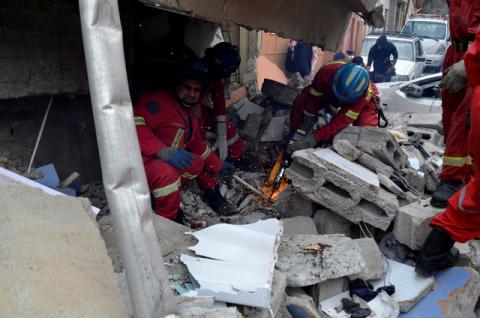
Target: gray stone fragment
(433, 148)
(411, 226)
(375, 165)
(279, 92)
(377, 142)
(414, 179)
(391, 186)
(427, 120)
(311, 259)
(374, 262)
(430, 177)
(278, 297)
(346, 150)
(299, 225)
(328, 222)
(295, 205)
(171, 235)
(331, 288)
(251, 127)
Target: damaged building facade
(352, 212)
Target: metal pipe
(123, 174)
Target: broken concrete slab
(391, 186)
(52, 241)
(411, 226)
(172, 236)
(328, 222)
(299, 225)
(377, 142)
(414, 179)
(410, 288)
(346, 150)
(278, 298)
(279, 92)
(455, 295)
(428, 135)
(251, 127)
(427, 120)
(374, 261)
(353, 193)
(375, 165)
(245, 107)
(295, 205)
(430, 176)
(311, 259)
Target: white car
(435, 34)
(411, 60)
(422, 95)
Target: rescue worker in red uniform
(456, 98)
(461, 220)
(221, 61)
(341, 89)
(172, 146)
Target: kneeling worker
(344, 92)
(172, 146)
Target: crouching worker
(343, 91)
(172, 146)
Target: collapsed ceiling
(320, 22)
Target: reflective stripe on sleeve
(178, 137)
(315, 93)
(189, 176)
(351, 114)
(456, 161)
(139, 121)
(166, 190)
(206, 153)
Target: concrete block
(377, 142)
(346, 150)
(428, 135)
(251, 127)
(53, 259)
(414, 179)
(341, 192)
(299, 225)
(328, 222)
(279, 92)
(277, 300)
(295, 205)
(375, 165)
(310, 259)
(374, 262)
(411, 226)
(245, 107)
(427, 120)
(331, 288)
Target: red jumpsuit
(319, 95)
(209, 117)
(162, 122)
(461, 219)
(464, 19)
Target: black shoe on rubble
(218, 203)
(436, 254)
(443, 192)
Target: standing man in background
(380, 56)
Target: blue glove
(179, 158)
(182, 159)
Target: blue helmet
(350, 83)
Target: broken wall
(41, 51)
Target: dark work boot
(437, 253)
(218, 203)
(444, 191)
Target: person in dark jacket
(299, 59)
(379, 55)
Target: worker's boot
(444, 191)
(218, 203)
(437, 253)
